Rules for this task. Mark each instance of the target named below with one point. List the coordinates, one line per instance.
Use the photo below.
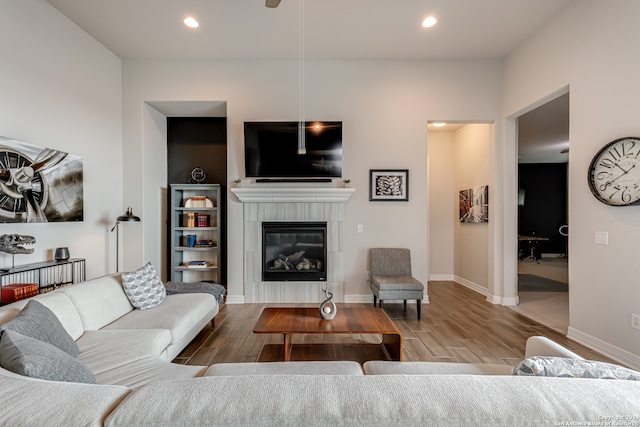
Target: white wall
(589, 47)
(60, 89)
(442, 202)
(384, 107)
(472, 148)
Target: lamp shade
(128, 216)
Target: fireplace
(294, 251)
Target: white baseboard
(442, 277)
(493, 299)
(616, 353)
(471, 285)
(235, 299)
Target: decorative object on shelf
(346, 182)
(237, 182)
(389, 185)
(474, 204)
(191, 240)
(14, 244)
(327, 309)
(61, 254)
(198, 202)
(614, 172)
(198, 175)
(127, 217)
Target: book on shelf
(191, 219)
(204, 243)
(197, 264)
(202, 220)
(198, 202)
(18, 291)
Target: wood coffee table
(354, 320)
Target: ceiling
(544, 132)
(332, 29)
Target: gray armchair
(390, 270)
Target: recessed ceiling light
(438, 125)
(429, 22)
(191, 22)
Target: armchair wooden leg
(419, 308)
(380, 303)
(405, 305)
(375, 300)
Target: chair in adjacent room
(391, 278)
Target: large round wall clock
(614, 173)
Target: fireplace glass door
(294, 251)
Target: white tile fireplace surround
(292, 204)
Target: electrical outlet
(635, 321)
(360, 228)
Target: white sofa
(119, 344)
(129, 352)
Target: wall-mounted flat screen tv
(272, 150)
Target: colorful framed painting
(474, 204)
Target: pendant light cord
(302, 149)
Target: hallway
(550, 308)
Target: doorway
(543, 162)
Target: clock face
(614, 173)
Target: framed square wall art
(389, 185)
(474, 204)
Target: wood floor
(458, 325)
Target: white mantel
(292, 204)
(295, 195)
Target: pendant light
(302, 148)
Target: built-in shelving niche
(199, 142)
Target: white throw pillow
(143, 287)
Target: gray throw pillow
(544, 366)
(37, 321)
(32, 358)
(143, 287)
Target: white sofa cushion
(285, 368)
(99, 301)
(543, 346)
(184, 315)
(376, 400)
(382, 367)
(58, 303)
(146, 370)
(131, 358)
(65, 311)
(143, 287)
(105, 349)
(34, 402)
